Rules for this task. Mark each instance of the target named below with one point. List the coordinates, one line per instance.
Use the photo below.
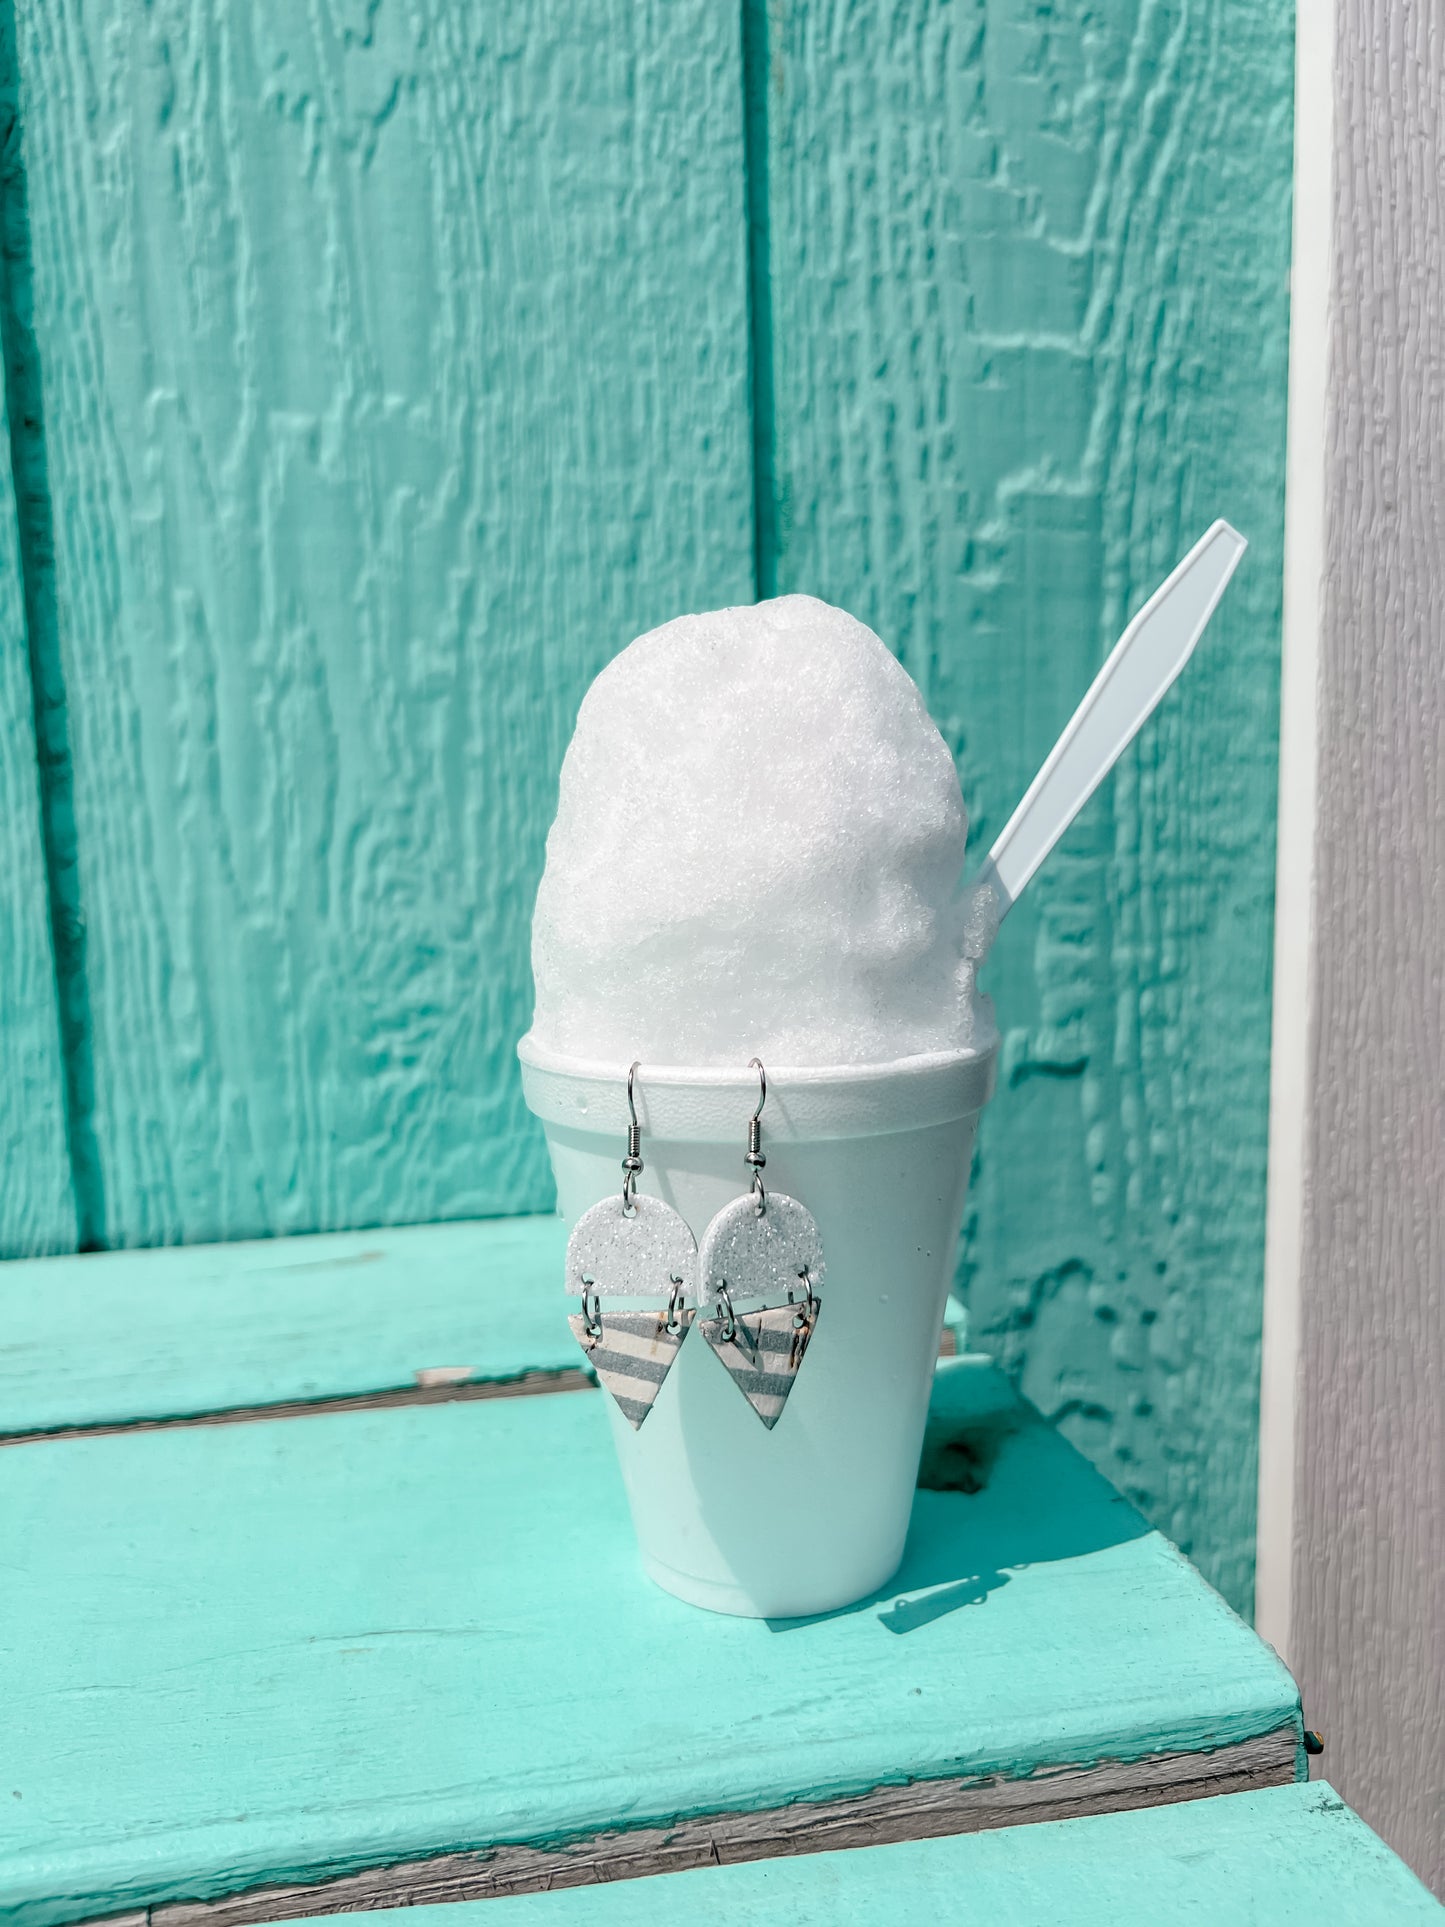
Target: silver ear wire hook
(632, 1163)
(754, 1154)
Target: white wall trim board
(1304, 562)
(1357, 1281)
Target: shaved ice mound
(758, 850)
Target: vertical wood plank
(1367, 1631)
(37, 1207)
(1027, 317)
(395, 365)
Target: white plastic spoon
(1144, 662)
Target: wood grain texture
(37, 1209)
(395, 363)
(1027, 314)
(1291, 1856)
(126, 1336)
(422, 1632)
(1368, 1622)
(924, 1810)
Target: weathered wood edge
(919, 1810)
(452, 1392)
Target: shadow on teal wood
(1028, 322)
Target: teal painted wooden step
(409, 1652)
(137, 1335)
(1282, 1856)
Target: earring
(761, 1247)
(631, 1248)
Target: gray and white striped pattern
(633, 1355)
(762, 1356)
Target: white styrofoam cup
(812, 1515)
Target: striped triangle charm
(631, 1354)
(763, 1353)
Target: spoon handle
(1143, 663)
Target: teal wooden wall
(379, 371)
(1027, 307)
(394, 370)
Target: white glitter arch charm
(765, 1253)
(641, 1252)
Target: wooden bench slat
(333, 1650)
(1285, 1855)
(118, 1337)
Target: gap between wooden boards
(451, 1391)
(523, 1385)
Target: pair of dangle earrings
(751, 1287)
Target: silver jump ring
(591, 1310)
(726, 1314)
(805, 1313)
(674, 1308)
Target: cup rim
(543, 1057)
(708, 1103)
